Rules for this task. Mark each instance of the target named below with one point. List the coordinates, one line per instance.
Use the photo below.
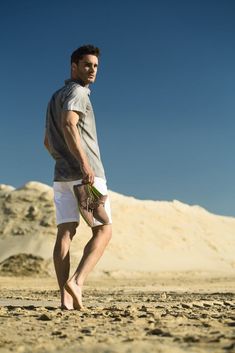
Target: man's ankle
(79, 282)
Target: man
(71, 140)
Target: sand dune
(148, 236)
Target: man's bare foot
(66, 300)
(65, 307)
(76, 292)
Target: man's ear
(74, 67)
(74, 70)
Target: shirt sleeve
(76, 100)
(47, 116)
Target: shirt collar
(79, 83)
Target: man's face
(86, 69)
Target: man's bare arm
(73, 141)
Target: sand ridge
(24, 265)
(148, 236)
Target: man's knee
(109, 231)
(65, 234)
(67, 230)
(106, 230)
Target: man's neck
(82, 83)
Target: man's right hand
(88, 174)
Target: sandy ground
(158, 313)
(129, 308)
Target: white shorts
(66, 202)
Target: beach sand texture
(165, 283)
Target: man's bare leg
(92, 253)
(61, 257)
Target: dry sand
(165, 284)
(158, 314)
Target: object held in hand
(91, 204)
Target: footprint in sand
(88, 331)
(44, 317)
(159, 332)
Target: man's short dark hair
(84, 50)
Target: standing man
(72, 141)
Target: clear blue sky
(164, 95)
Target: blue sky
(164, 95)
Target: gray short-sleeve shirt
(74, 97)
